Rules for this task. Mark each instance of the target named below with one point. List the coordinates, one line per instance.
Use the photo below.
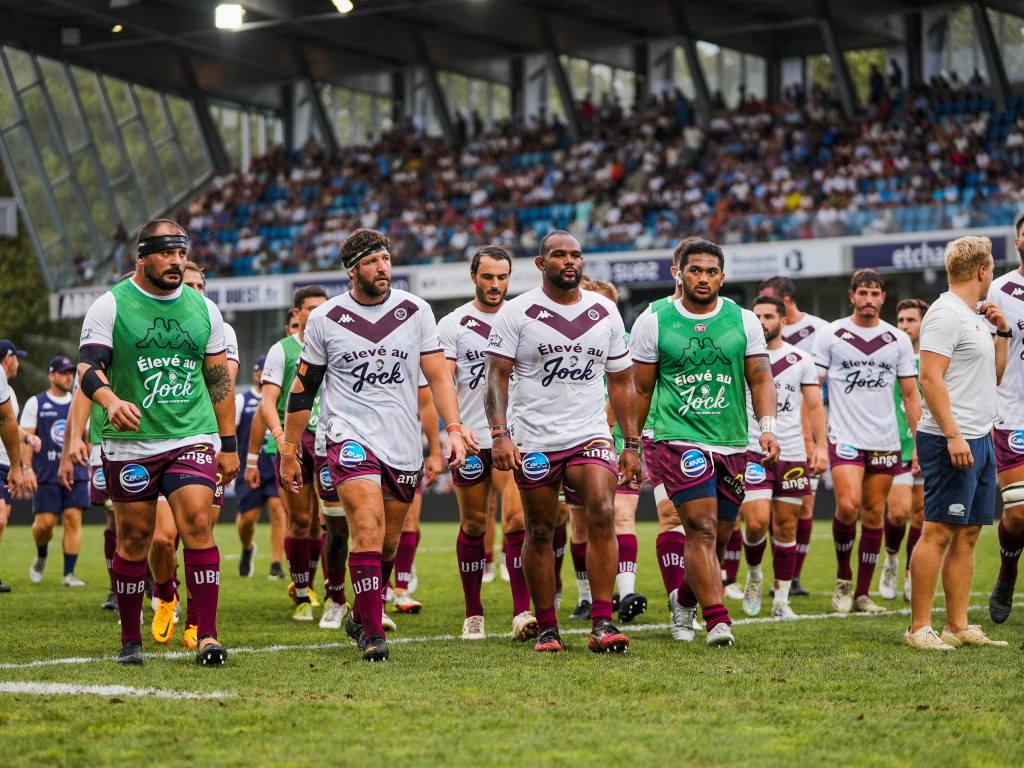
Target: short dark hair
(702, 247)
(1016, 227)
(191, 266)
(677, 254)
(545, 243)
(362, 239)
(496, 252)
(774, 301)
(919, 304)
(781, 286)
(307, 292)
(150, 227)
(866, 278)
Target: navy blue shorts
(957, 496)
(5, 495)
(249, 498)
(55, 498)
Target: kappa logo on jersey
(473, 468)
(134, 478)
(847, 336)
(535, 466)
(544, 315)
(702, 352)
(1018, 292)
(754, 474)
(167, 334)
(346, 319)
(326, 482)
(99, 480)
(471, 323)
(352, 454)
(846, 452)
(1016, 441)
(693, 463)
(57, 431)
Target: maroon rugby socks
(472, 560)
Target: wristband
(229, 444)
(499, 430)
(768, 424)
(26, 470)
(1007, 334)
(454, 427)
(631, 444)
(955, 434)
(277, 432)
(252, 458)
(289, 449)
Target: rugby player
(697, 352)
(560, 342)
(153, 356)
(861, 358)
(10, 436)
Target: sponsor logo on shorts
(755, 474)
(352, 454)
(472, 469)
(134, 478)
(1016, 441)
(326, 482)
(57, 431)
(535, 466)
(693, 463)
(99, 480)
(846, 452)
(795, 480)
(957, 510)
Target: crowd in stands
(921, 157)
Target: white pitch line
(72, 689)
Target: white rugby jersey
(1007, 292)
(792, 369)
(372, 354)
(464, 334)
(802, 333)
(231, 344)
(861, 367)
(6, 393)
(560, 355)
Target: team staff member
(153, 356)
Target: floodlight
(343, 6)
(229, 16)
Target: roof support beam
(437, 98)
(316, 104)
(994, 62)
(207, 127)
(554, 64)
(847, 94)
(700, 83)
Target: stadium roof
(164, 42)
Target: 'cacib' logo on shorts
(755, 473)
(134, 478)
(1016, 441)
(325, 479)
(474, 467)
(535, 465)
(352, 454)
(846, 452)
(693, 463)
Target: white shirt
(372, 353)
(230, 344)
(6, 393)
(952, 329)
(1007, 292)
(560, 355)
(861, 367)
(273, 366)
(801, 334)
(464, 334)
(98, 330)
(30, 414)
(792, 370)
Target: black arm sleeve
(311, 376)
(98, 359)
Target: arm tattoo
(218, 382)
(762, 365)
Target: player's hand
(252, 476)
(915, 465)
(77, 450)
(504, 454)
(29, 483)
(14, 481)
(769, 449)
(472, 441)
(35, 441)
(818, 461)
(457, 450)
(434, 466)
(124, 416)
(66, 472)
(291, 473)
(960, 452)
(994, 315)
(227, 466)
(630, 469)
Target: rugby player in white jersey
(1007, 293)
(464, 334)
(10, 438)
(799, 331)
(773, 494)
(862, 359)
(906, 497)
(367, 348)
(561, 342)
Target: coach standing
(960, 367)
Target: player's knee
(1013, 504)
(474, 524)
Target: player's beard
(708, 300)
(772, 335)
(565, 283)
(487, 301)
(369, 287)
(160, 281)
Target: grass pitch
(823, 690)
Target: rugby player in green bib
(153, 356)
(697, 352)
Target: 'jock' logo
(167, 334)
